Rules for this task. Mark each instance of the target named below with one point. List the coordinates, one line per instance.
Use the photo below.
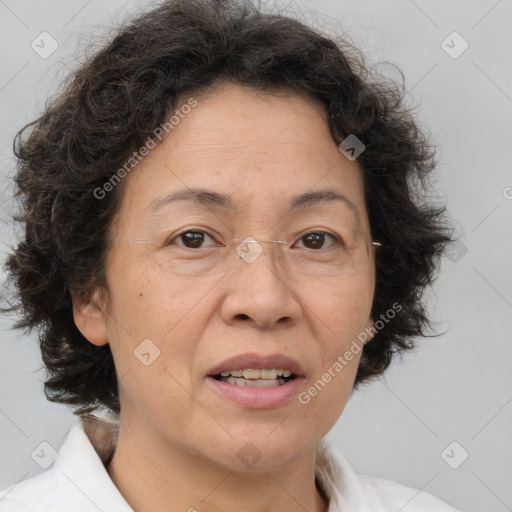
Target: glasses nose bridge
(249, 248)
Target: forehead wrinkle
(212, 145)
(197, 195)
(223, 202)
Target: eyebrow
(223, 201)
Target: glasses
(316, 254)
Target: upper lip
(256, 361)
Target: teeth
(266, 374)
(254, 383)
(251, 374)
(255, 378)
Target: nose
(259, 291)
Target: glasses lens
(196, 254)
(338, 260)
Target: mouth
(256, 378)
(256, 381)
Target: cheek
(141, 297)
(152, 332)
(344, 307)
(170, 313)
(343, 312)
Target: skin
(179, 440)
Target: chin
(262, 449)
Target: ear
(90, 316)
(370, 330)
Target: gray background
(457, 387)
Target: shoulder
(395, 496)
(366, 493)
(33, 494)
(77, 481)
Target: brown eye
(315, 240)
(192, 239)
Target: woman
(222, 241)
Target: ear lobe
(370, 329)
(90, 317)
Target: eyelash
(181, 233)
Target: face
(171, 320)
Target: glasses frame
(250, 240)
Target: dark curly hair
(120, 95)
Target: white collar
(98, 436)
(79, 481)
(82, 459)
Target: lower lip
(257, 398)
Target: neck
(156, 476)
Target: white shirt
(79, 482)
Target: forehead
(211, 199)
(262, 150)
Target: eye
(191, 238)
(316, 239)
